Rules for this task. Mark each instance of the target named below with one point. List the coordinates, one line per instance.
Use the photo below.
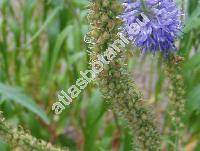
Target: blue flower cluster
(159, 31)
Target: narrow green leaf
(193, 99)
(193, 21)
(4, 146)
(76, 57)
(46, 23)
(16, 95)
(192, 62)
(61, 38)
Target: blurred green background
(42, 51)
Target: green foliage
(194, 21)
(4, 146)
(18, 138)
(14, 94)
(114, 81)
(42, 51)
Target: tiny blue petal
(164, 24)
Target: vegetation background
(42, 51)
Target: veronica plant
(114, 81)
(19, 138)
(160, 32)
(174, 71)
(159, 35)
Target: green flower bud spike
(114, 81)
(18, 138)
(174, 72)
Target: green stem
(3, 44)
(144, 6)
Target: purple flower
(152, 25)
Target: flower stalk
(174, 72)
(18, 138)
(115, 83)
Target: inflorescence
(160, 33)
(19, 138)
(115, 82)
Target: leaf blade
(14, 94)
